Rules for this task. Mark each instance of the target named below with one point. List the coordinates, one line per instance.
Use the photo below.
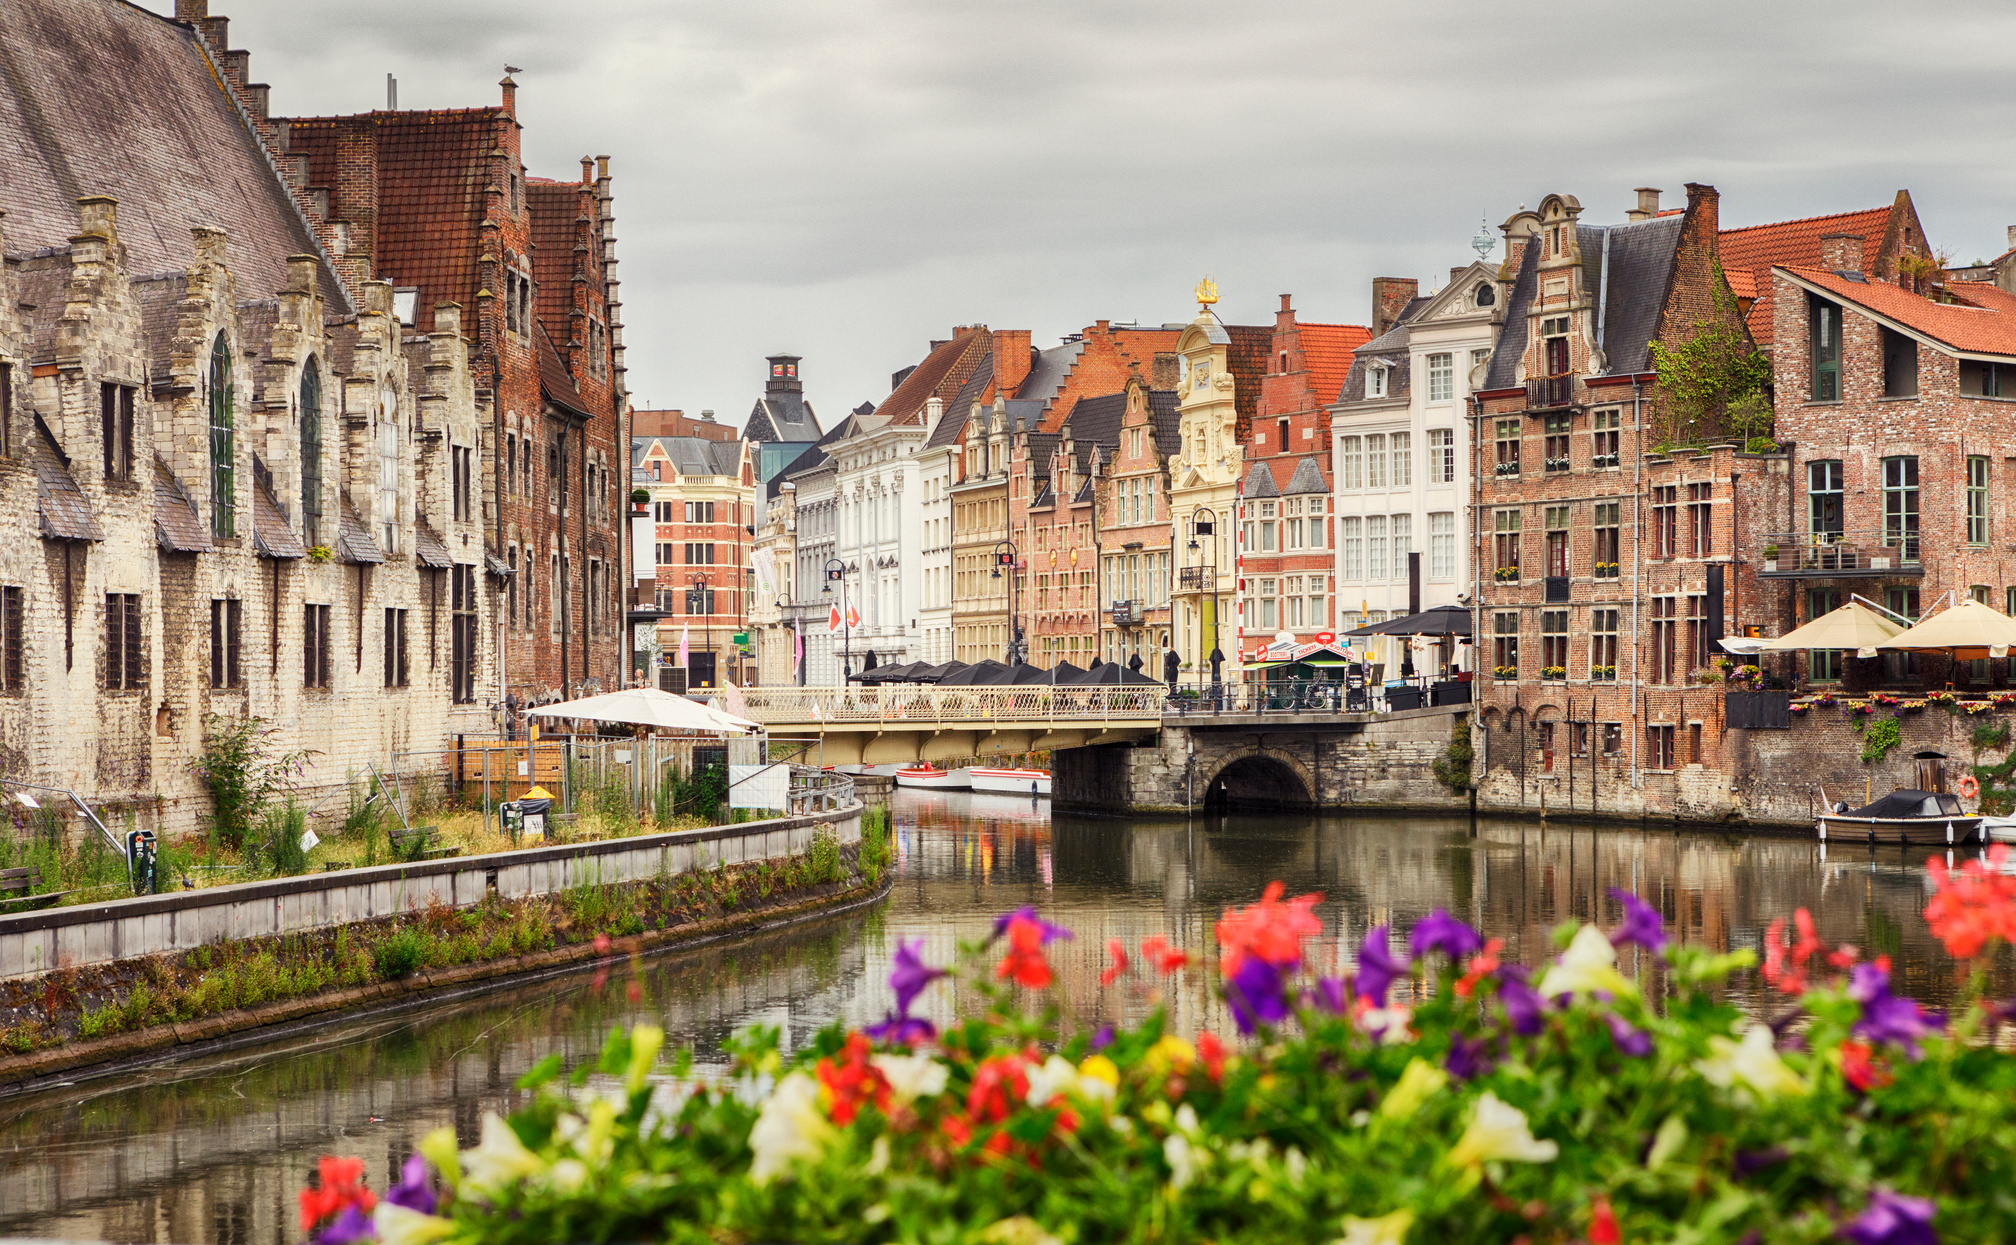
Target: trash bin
(525, 819)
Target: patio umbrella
(1853, 626)
(647, 706)
(1968, 631)
(936, 674)
(980, 673)
(1113, 674)
(1064, 672)
(1442, 620)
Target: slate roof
(692, 456)
(353, 541)
(1389, 348)
(952, 426)
(1755, 249)
(496, 565)
(1259, 482)
(1048, 371)
(1096, 421)
(1640, 260)
(1251, 348)
(1165, 422)
(428, 547)
(1984, 324)
(66, 512)
(103, 98)
(554, 379)
(272, 535)
(1326, 352)
(781, 416)
(1511, 344)
(942, 373)
(1308, 478)
(177, 526)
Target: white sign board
(759, 786)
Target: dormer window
(1375, 381)
(406, 305)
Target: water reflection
(213, 1149)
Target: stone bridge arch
(1260, 778)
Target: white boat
(1030, 782)
(931, 778)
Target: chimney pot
(706, 417)
(1841, 252)
(1648, 205)
(1285, 305)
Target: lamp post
(1204, 522)
(697, 603)
(836, 572)
(1004, 555)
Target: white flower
(1588, 965)
(1419, 1081)
(1053, 1077)
(498, 1159)
(567, 1176)
(1182, 1160)
(1751, 1064)
(1021, 1230)
(878, 1157)
(912, 1076)
(400, 1225)
(1186, 1122)
(1388, 1025)
(1498, 1130)
(1385, 1230)
(789, 1127)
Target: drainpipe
(1637, 567)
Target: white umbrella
(1852, 626)
(647, 706)
(1968, 630)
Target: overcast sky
(848, 179)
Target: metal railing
(926, 705)
(1819, 554)
(1547, 392)
(815, 790)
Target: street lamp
(1004, 555)
(1204, 522)
(836, 572)
(697, 603)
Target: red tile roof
(940, 375)
(554, 380)
(1756, 248)
(1326, 352)
(1985, 324)
(556, 212)
(1246, 358)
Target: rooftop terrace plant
(1506, 1103)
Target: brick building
(235, 481)
(703, 505)
(680, 424)
(1135, 536)
(1893, 244)
(438, 204)
(1605, 558)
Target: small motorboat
(1906, 815)
(931, 778)
(1029, 782)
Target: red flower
(341, 1186)
(1481, 965)
(1974, 906)
(1167, 959)
(1603, 1229)
(1269, 930)
(1118, 955)
(999, 1086)
(1792, 979)
(853, 1082)
(958, 1130)
(1212, 1052)
(1024, 963)
(1860, 1069)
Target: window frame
(223, 443)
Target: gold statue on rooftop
(1207, 292)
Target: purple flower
(1254, 994)
(902, 1030)
(911, 974)
(1051, 933)
(1331, 996)
(1438, 931)
(1893, 1219)
(351, 1226)
(1885, 1017)
(1641, 923)
(1523, 1005)
(1466, 1060)
(1377, 968)
(1102, 1037)
(1750, 1162)
(1629, 1041)
(415, 1190)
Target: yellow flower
(499, 1158)
(789, 1127)
(645, 1041)
(1499, 1130)
(1588, 965)
(1751, 1064)
(1021, 1230)
(1385, 1230)
(1100, 1068)
(438, 1148)
(398, 1225)
(1419, 1080)
(1170, 1054)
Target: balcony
(1547, 393)
(1195, 576)
(1837, 555)
(1128, 613)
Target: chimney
(1841, 252)
(300, 274)
(934, 407)
(1648, 205)
(2012, 237)
(1166, 371)
(191, 10)
(209, 244)
(98, 217)
(706, 417)
(1284, 315)
(258, 100)
(1704, 204)
(510, 95)
(1013, 358)
(1390, 296)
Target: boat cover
(1905, 803)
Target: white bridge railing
(921, 705)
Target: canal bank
(214, 1147)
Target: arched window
(311, 454)
(223, 444)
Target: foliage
(878, 848)
(401, 954)
(1551, 1104)
(1879, 736)
(282, 828)
(824, 858)
(1452, 768)
(1714, 381)
(244, 769)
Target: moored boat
(931, 778)
(1031, 782)
(1906, 815)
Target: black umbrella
(1064, 672)
(936, 674)
(1172, 666)
(980, 673)
(868, 662)
(1112, 674)
(1442, 620)
(1134, 663)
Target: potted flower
(1553, 672)
(1506, 575)
(640, 501)
(1800, 707)
(1770, 558)
(1602, 672)
(1504, 672)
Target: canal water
(213, 1149)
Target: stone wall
(37, 942)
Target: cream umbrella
(1853, 626)
(1968, 631)
(647, 706)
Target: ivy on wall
(1713, 383)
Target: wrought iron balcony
(1127, 613)
(1837, 555)
(1545, 393)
